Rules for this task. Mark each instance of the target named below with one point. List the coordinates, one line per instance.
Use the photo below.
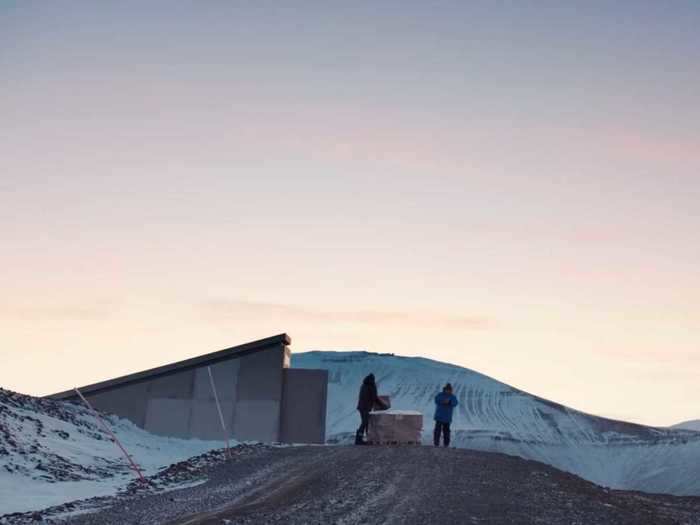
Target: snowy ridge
(689, 425)
(493, 416)
(52, 452)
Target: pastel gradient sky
(508, 186)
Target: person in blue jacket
(445, 403)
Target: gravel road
(392, 485)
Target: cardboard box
(395, 427)
(387, 402)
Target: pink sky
(511, 190)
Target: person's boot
(359, 440)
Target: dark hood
(369, 380)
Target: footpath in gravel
(391, 485)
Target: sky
(508, 186)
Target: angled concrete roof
(194, 362)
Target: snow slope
(688, 425)
(52, 452)
(493, 416)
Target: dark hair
(448, 386)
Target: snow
(493, 416)
(55, 452)
(398, 412)
(689, 425)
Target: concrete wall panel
(169, 417)
(128, 402)
(225, 375)
(205, 423)
(260, 376)
(173, 386)
(304, 406)
(256, 421)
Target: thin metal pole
(218, 407)
(114, 437)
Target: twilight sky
(508, 186)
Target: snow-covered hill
(52, 452)
(688, 425)
(493, 416)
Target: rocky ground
(353, 485)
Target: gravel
(389, 485)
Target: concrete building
(261, 398)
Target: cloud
(56, 312)
(221, 309)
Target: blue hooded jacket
(444, 405)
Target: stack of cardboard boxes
(394, 427)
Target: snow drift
(493, 416)
(52, 452)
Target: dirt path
(395, 485)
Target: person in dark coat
(366, 402)
(445, 403)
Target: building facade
(261, 398)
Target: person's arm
(453, 401)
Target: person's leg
(364, 425)
(360, 429)
(446, 433)
(436, 434)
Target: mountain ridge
(693, 424)
(496, 417)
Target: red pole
(114, 437)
